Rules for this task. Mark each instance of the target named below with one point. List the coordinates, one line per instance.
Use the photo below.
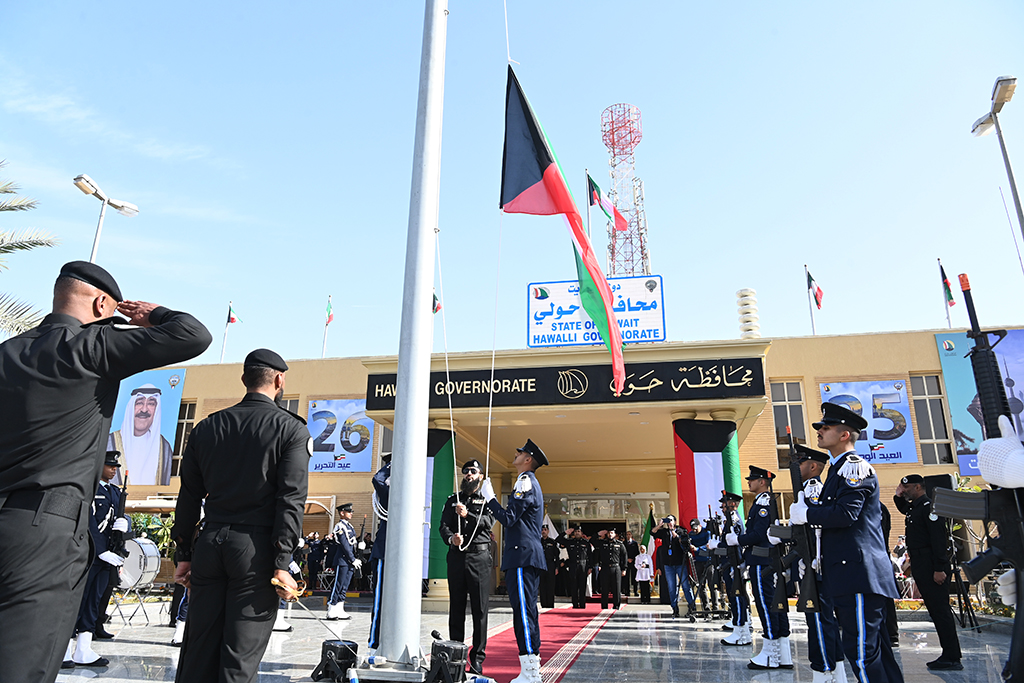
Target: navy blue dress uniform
(855, 567)
(522, 557)
(579, 566)
(470, 567)
(58, 386)
(250, 463)
(928, 547)
(824, 646)
(381, 490)
(738, 604)
(762, 578)
(547, 577)
(610, 555)
(343, 559)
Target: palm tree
(17, 316)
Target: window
(291, 404)
(788, 409)
(186, 420)
(932, 433)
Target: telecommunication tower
(627, 249)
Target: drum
(142, 564)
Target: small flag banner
(648, 526)
(815, 290)
(232, 318)
(436, 306)
(946, 289)
(598, 198)
(330, 312)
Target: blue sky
(269, 148)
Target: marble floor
(639, 643)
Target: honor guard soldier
(579, 565)
(344, 561)
(522, 558)
(250, 463)
(547, 577)
(103, 522)
(855, 567)
(610, 555)
(58, 387)
(775, 648)
(466, 530)
(738, 604)
(824, 647)
(381, 491)
(928, 547)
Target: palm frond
(11, 241)
(17, 316)
(18, 204)
(8, 187)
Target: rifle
(739, 582)
(117, 538)
(780, 600)
(804, 541)
(358, 573)
(1002, 506)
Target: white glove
(801, 568)
(712, 544)
(362, 545)
(1001, 460)
(732, 539)
(1006, 586)
(356, 564)
(302, 542)
(487, 491)
(120, 524)
(798, 510)
(772, 539)
(112, 558)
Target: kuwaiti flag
(330, 313)
(946, 289)
(598, 198)
(815, 290)
(707, 462)
(533, 183)
(232, 318)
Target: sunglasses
(471, 470)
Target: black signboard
(585, 384)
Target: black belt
(244, 528)
(52, 502)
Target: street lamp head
(124, 208)
(983, 126)
(89, 186)
(1002, 92)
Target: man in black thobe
(58, 387)
(547, 577)
(250, 463)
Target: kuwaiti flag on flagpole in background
(707, 462)
(815, 290)
(598, 198)
(946, 289)
(330, 311)
(232, 318)
(533, 183)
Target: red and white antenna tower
(627, 250)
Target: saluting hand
(137, 312)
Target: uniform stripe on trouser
(764, 606)
(861, 635)
(829, 666)
(334, 591)
(375, 617)
(522, 611)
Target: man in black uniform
(381, 493)
(250, 463)
(610, 555)
(547, 577)
(466, 529)
(632, 550)
(579, 565)
(58, 387)
(928, 547)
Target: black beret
(472, 463)
(835, 414)
(760, 473)
(91, 274)
(811, 454)
(111, 459)
(913, 479)
(534, 451)
(265, 358)
(344, 507)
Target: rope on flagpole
(1012, 231)
(508, 50)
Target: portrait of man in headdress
(146, 452)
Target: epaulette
(855, 470)
(812, 490)
(764, 499)
(523, 484)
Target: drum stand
(140, 593)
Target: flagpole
(224, 344)
(807, 279)
(323, 353)
(945, 304)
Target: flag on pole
(946, 290)
(330, 312)
(815, 290)
(647, 529)
(436, 306)
(552, 531)
(598, 198)
(232, 318)
(533, 183)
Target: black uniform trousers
(824, 646)
(861, 617)
(523, 584)
(762, 585)
(469, 573)
(578, 584)
(232, 605)
(378, 587)
(95, 587)
(611, 583)
(936, 600)
(547, 587)
(44, 562)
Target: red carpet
(564, 633)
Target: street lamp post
(89, 186)
(1002, 92)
